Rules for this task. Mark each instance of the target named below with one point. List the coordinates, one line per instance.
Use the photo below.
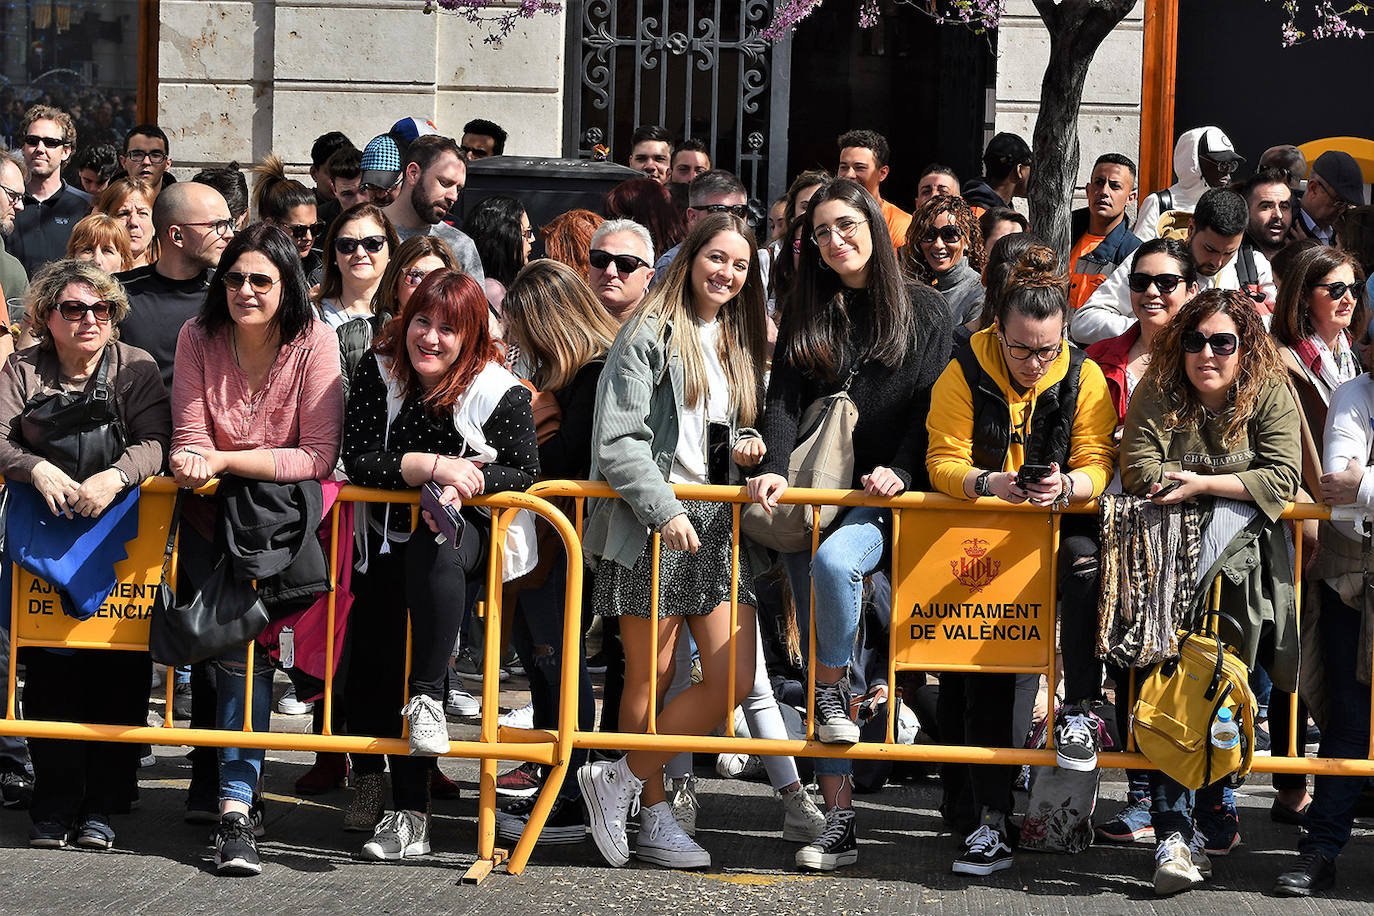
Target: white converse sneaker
(662, 840)
(518, 718)
(610, 792)
(399, 835)
(803, 821)
(1174, 867)
(738, 766)
(682, 794)
(428, 727)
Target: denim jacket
(634, 438)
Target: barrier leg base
(479, 870)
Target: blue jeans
(1171, 805)
(851, 551)
(240, 768)
(1346, 733)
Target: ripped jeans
(240, 768)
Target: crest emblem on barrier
(975, 568)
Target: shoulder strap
(172, 529)
(101, 391)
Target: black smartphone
(447, 517)
(1032, 473)
(1169, 487)
(717, 453)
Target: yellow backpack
(1178, 702)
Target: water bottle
(1225, 734)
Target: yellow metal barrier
(36, 620)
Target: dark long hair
(494, 225)
(295, 312)
(816, 321)
(331, 285)
(1292, 316)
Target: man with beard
(1271, 210)
(51, 206)
(433, 173)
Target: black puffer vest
(1051, 422)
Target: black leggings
(431, 580)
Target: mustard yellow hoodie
(950, 421)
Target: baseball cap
(407, 129)
(1007, 149)
(381, 165)
(1340, 170)
(1216, 146)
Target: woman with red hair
(431, 403)
(647, 202)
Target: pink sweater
(298, 414)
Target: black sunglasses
(50, 142)
(300, 230)
(739, 210)
(950, 234)
(261, 283)
(371, 244)
(624, 263)
(138, 155)
(1221, 344)
(1338, 289)
(75, 309)
(1165, 283)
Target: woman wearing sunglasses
(256, 394)
(357, 251)
(1021, 416)
(1213, 420)
(77, 309)
(944, 247)
(289, 204)
(500, 228)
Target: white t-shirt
(689, 461)
(335, 315)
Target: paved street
(161, 865)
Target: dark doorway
(921, 85)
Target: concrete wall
(238, 79)
(1109, 121)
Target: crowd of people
(1209, 354)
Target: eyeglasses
(1039, 354)
(75, 309)
(1225, 168)
(261, 283)
(1165, 283)
(155, 156)
(1221, 344)
(415, 276)
(300, 230)
(221, 227)
(844, 228)
(32, 140)
(1338, 289)
(624, 263)
(949, 234)
(366, 188)
(371, 244)
(14, 196)
(739, 210)
(529, 234)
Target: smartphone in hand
(1032, 473)
(446, 517)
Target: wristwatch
(980, 484)
(1065, 493)
(123, 478)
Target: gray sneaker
(428, 727)
(833, 724)
(399, 834)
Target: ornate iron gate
(700, 68)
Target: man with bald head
(193, 226)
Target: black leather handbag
(79, 431)
(224, 613)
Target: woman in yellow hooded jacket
(1021, 415)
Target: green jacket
(634, 438)
(13, 280)
(1256, 566)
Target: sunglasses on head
(1165, 283)
(949, 234)
(260, 283)
(624, 263)
(34, 140)
(1338, 289)
(1221, 344)
(75, 309)
(371, 244)
(300, 230)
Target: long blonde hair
(553, 315)
(743, 341)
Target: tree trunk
(1077, 28)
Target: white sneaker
(610, 792)
(518, 718)
(682, 795)
(428, 727)
(288, 705)
(738, 766)
(803, 822)
(662, 840)
(1174, 867)
(399, 835)
(458, 702)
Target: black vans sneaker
(236, 852)
(985, 851)
(1077, 738)
(835, 847)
